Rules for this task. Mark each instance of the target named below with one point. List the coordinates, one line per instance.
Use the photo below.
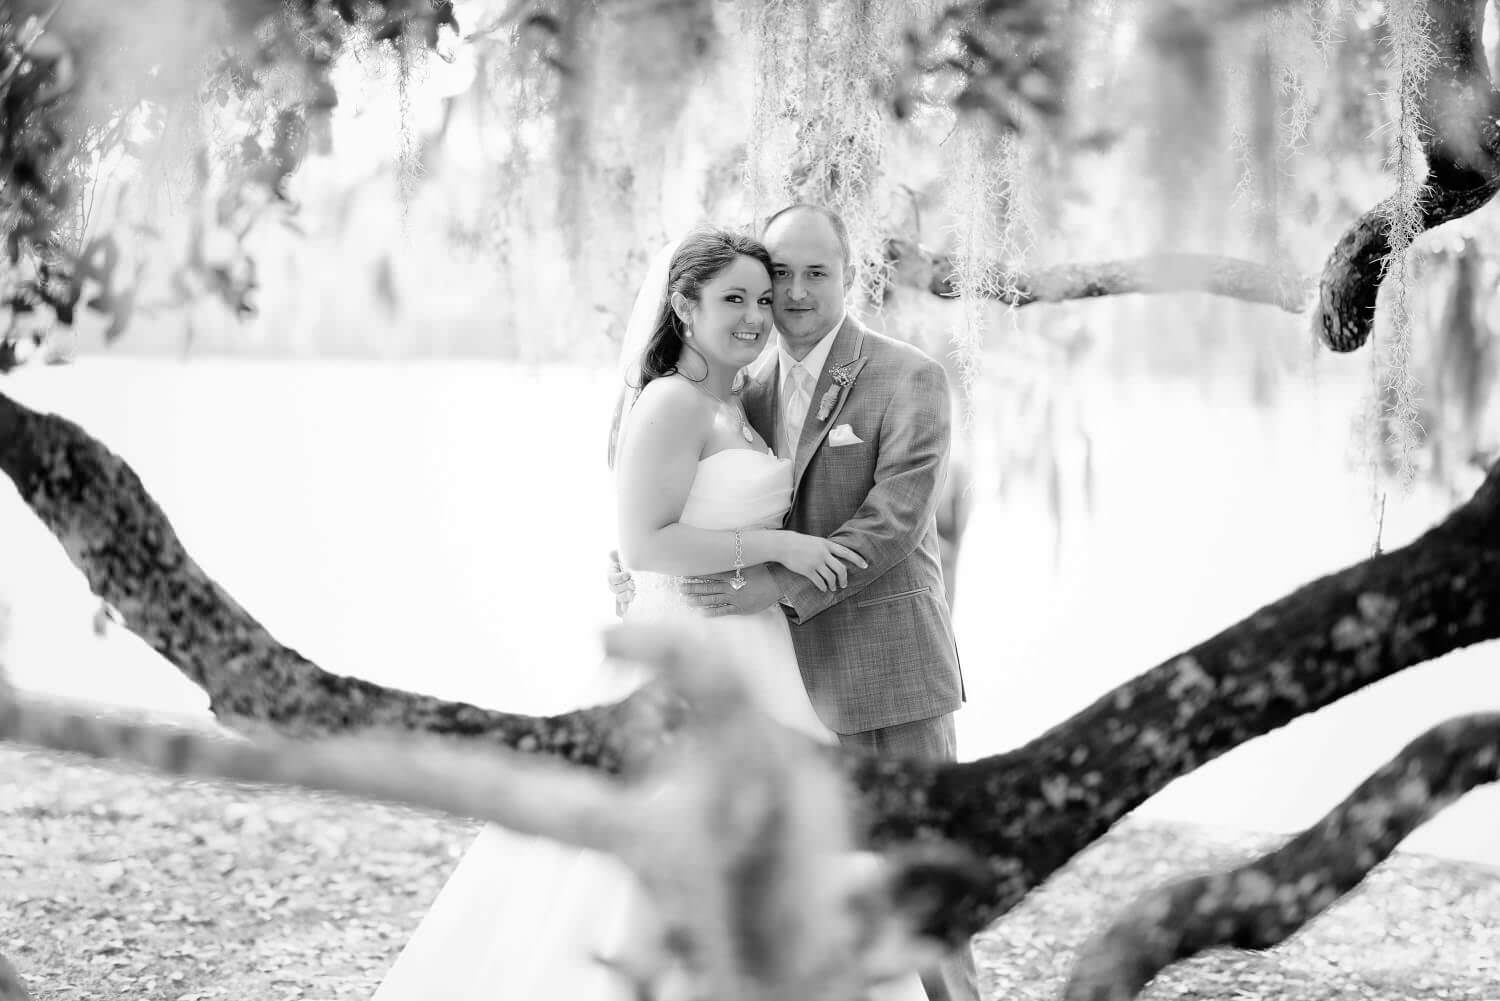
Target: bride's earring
(681, 305)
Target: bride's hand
(822, 561)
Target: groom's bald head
(833, 219)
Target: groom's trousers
(936, 739)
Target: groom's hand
(620, 582)
(714, 595)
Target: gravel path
(115, 883)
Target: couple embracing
(798, 496)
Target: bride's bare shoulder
(668, 418)
(671, 396)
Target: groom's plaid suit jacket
(879, 652)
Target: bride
(698, 491)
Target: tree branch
(124, 544)
(1260, 904)
(917, 267)
(1028, 811)
(1461, 109)
(1025, 813)
(525, 793)
(740, 832)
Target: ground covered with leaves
(115, 883)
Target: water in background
(442, 526)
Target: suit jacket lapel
(760, 399)
(847, 344)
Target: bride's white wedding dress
(525, 917)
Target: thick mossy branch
(1462, 111)
(916, 267)
(1025, 813)
(1032, 809)
(124, 544)
(1258, 905)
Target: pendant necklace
(739, 414)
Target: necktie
(798, 397)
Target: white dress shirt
(813, 363)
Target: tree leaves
(84, 76)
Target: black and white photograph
(750, 500)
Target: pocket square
(843, 434)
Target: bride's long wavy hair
(699, 258)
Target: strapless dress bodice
(739, 488)
(735, 488)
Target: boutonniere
(842, 379)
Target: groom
(866, 420)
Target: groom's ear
(682, 306)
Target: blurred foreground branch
(739, 832)
(523, 792)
